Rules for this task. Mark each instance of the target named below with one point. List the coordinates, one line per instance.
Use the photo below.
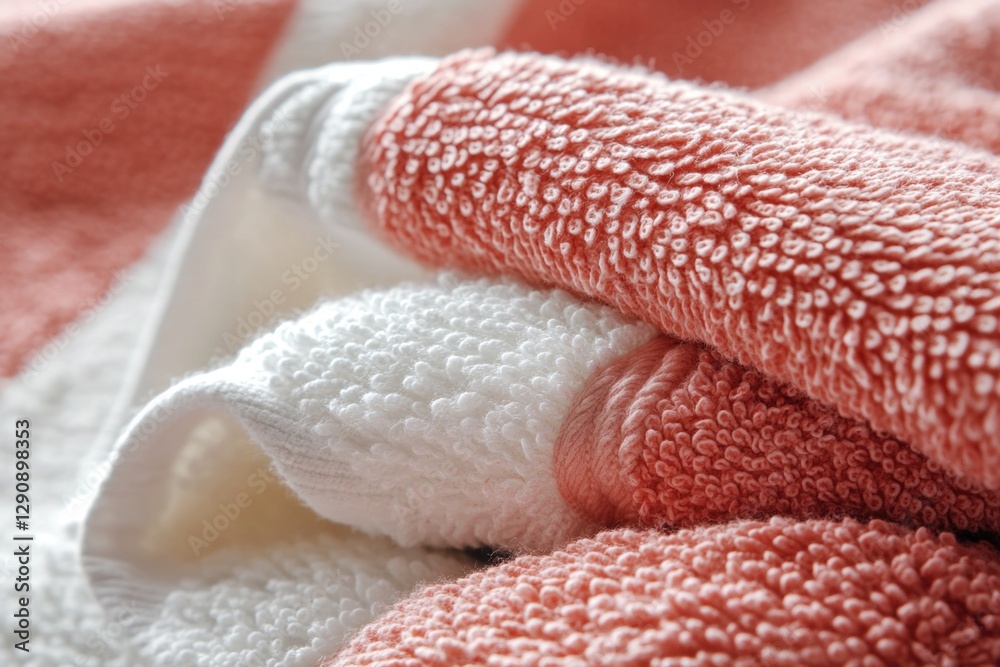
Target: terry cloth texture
(426, 413)
(201, 555)
(672, 434)
(783, 593)
(858, 265)
(294, 604)
(101, 154)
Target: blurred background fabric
(96, 155)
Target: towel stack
(757, 345)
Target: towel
(83, 300)
(852, 266)
(308, 202)
(754, 593)
(427, 413)
(858, 266)
(401, 412)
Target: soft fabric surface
(96, 356)
(771, 593)
(742, 43)
(101, 162)
(293, 604)
(672, 434)
(855, 264)
(82, 383)
(933, 72)
(220, 53)
(814, 300)
(426, 413)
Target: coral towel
(860, 266)
(745, 594)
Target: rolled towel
(776, 593)
(861, 266)
(425, 412)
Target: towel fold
(671, 434)
(470, 413)
(860, 266)
(426, 413)
(201, 553)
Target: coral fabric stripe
(696, 439)
(587, 457)
(748, 43)
(167, 80)
(860, 266)
(753, 593)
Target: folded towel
(201, 555)
(858, 265)
(426, 413)
(829, 295)
(152, 542)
